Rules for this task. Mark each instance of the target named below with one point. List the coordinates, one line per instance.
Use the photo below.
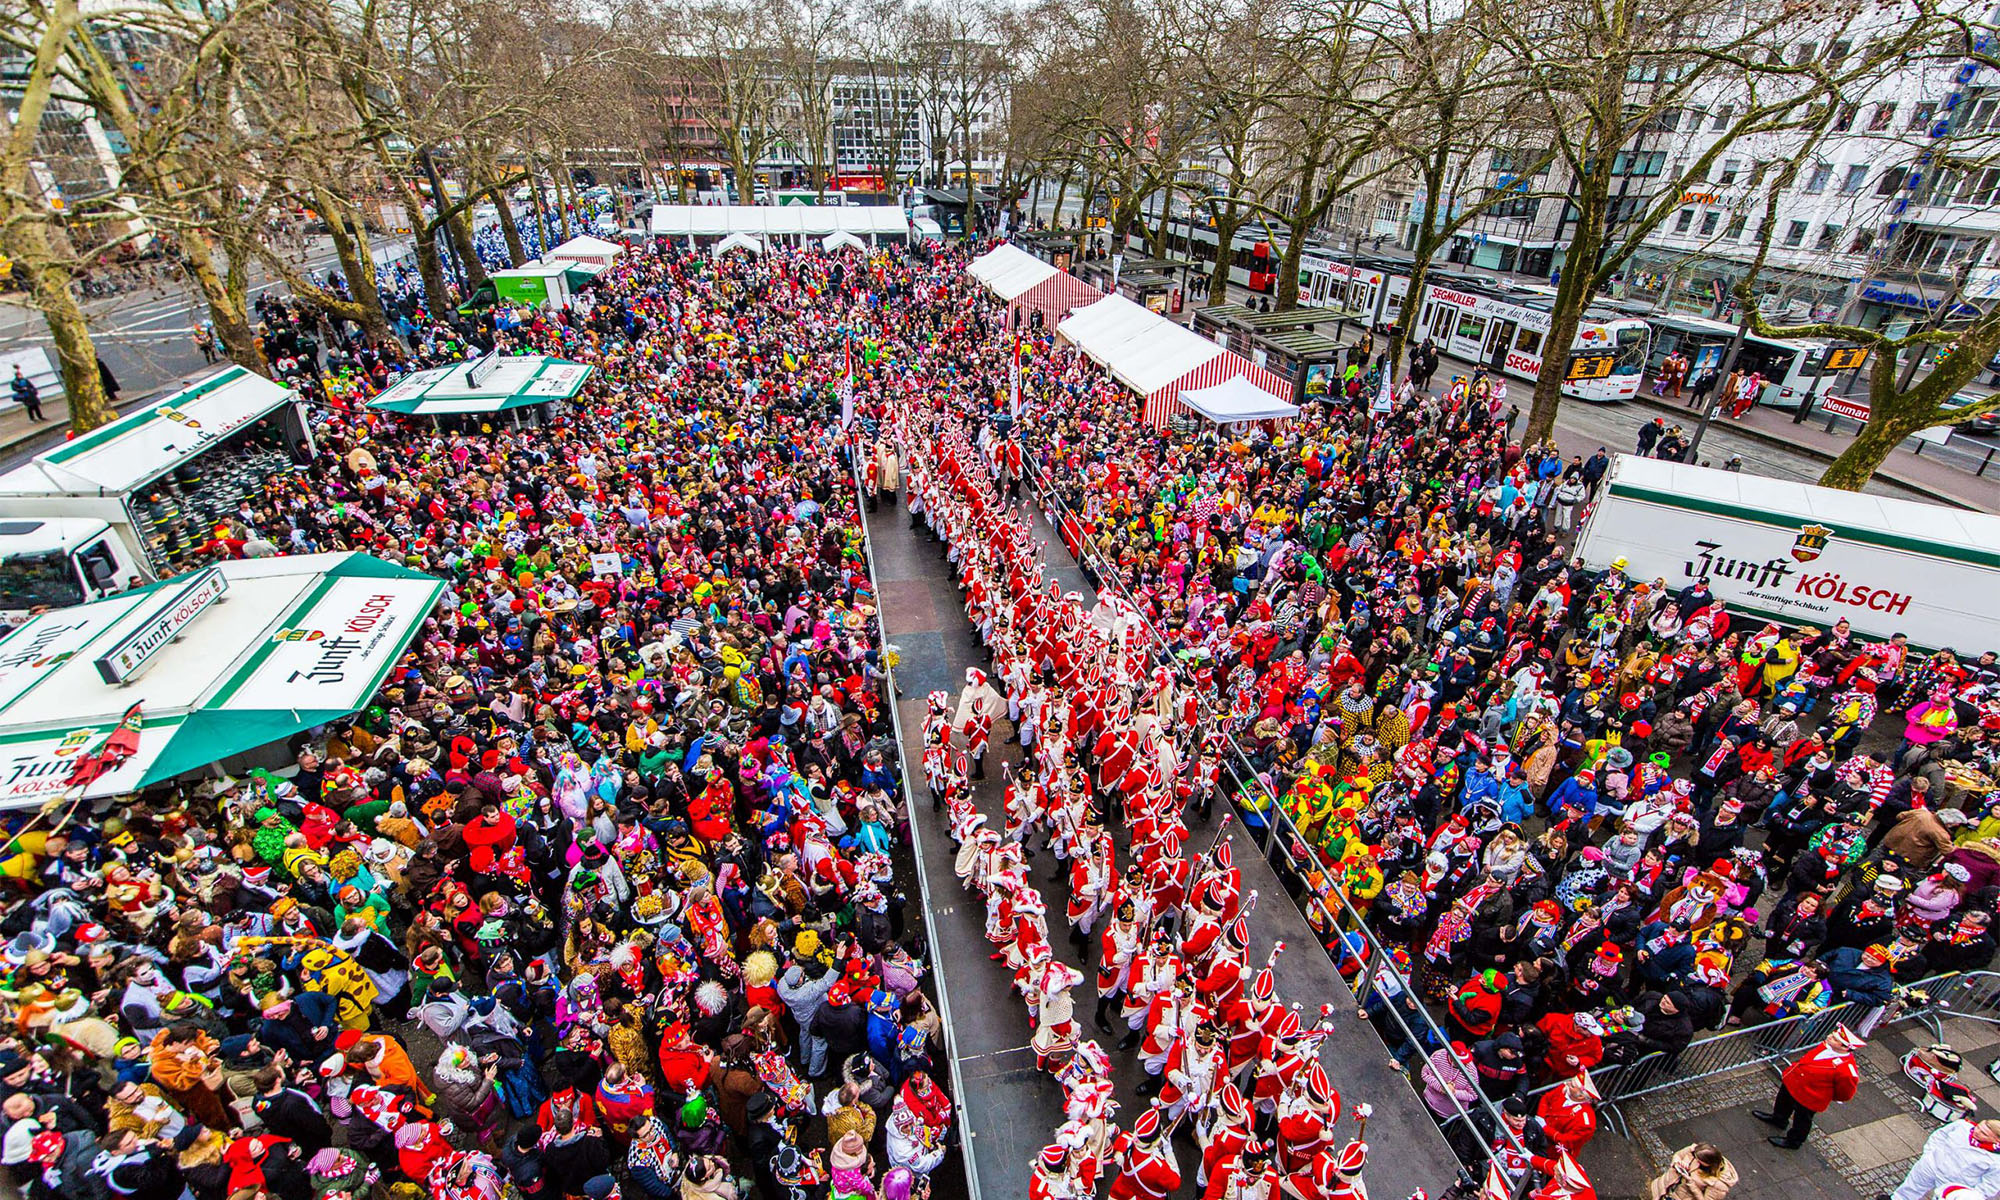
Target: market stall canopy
(1008, 271)
(1237, 399)
(208, 665)
(147, 444)
(586, 249)
(777, 220)
(1030, 284)
(493, 383)
(839, 238)
(1142, 349)
(738, 241)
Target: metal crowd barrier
(1974, 995)
(936, 973)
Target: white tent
(1237, 399)
(1009, 271)
(586, 249)
(738, 241)
(787, 220)
(839, 238)
(204, 667)
(1141, 348)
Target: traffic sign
(1591, 366)
(1845, 358)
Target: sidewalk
(1856, 1151)
(1941, 481)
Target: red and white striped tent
(1157, 358)
(1028, 284)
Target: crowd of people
(604, 893)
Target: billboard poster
(329, 654)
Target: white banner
(329, 656)
(1801, 572)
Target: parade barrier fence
(1355, 950)
(1973, 995)
(936, 972)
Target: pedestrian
(27, 395)
(1650, 434)
(1827, 1075)
(1697, 1172)
(204, 341)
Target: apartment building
(1892, 217)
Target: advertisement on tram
(1505, 332)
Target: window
(1709, 220)
(1472, 328)
(1735, 229)
(1795, 233)
(1856, 176)
(1922, 115)
(1837, 52)
(1982, 193)
(1731, 167)
(1863, 239)
(1668, 121)
(1803, 52)
(1884, 113)
(1517, 160)
(1891, 181)
(1829, 237)
(1723, 116)
(1844, 120)
(1685, 221)
(1980, 117)
(1529, 341)
(1818, 178)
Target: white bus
(1503, 331)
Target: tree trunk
(26, 238)
(1864, 455)
(226, 309)
(1564, 318)
(351, 246)
(1401, 335)
(1227, 222)
(517, 251)
(542, 242)
(1062, 194)
(1158, 240)
(467, 251)
(1287, 297)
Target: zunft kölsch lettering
(1769, 573)
(331, 666)
(1833, 587)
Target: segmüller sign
(129, 657)
(1808, 572)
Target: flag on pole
(1014, 402)
(847, 387)
(1496, 1186)
(118, 745)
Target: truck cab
(56, 562)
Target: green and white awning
(219, 662)
(491, 384)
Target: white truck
(1799, 554)
(132, 501)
